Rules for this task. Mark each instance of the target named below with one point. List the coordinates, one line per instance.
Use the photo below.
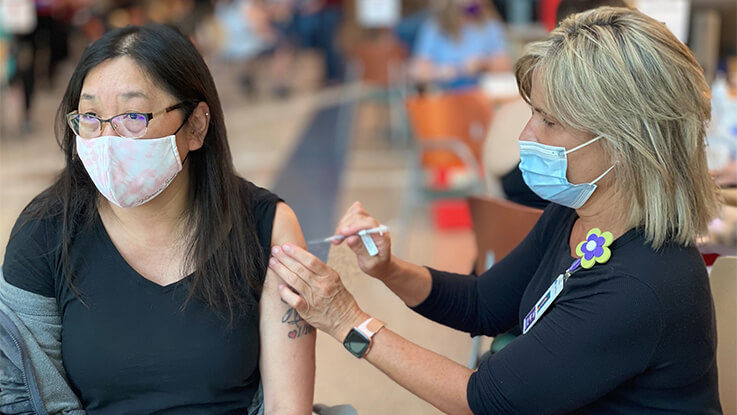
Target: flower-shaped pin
(595, 248)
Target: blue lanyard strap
(573, 268)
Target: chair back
(378, 57)
(723, 281)
(498, 226)
(462, 115)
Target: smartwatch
(359, 339)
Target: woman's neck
(156, 221)
(605, 210)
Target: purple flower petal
(599, 251)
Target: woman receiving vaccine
(137, 283)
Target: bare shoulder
(286, 226)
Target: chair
(448, 126)
(723, 281)
(382, 61)
(377, 55)
(448, 130)
(498, 226)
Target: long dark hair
(224, 249)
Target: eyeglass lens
(130, 125)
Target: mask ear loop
(181, 125)
(584, 144)
(604, 174)
(175, 133)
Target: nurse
(608, 288)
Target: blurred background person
(722, 158)
(46, 35)
(17, 22)
(316, 25)
(464, 39)
(281, 19)
(414, 14)
(246, 33)
(52, 33)
(726, 176)
(722, 136)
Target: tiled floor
(263, 136)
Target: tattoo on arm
(298, 325)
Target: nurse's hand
(354, 220)
(315, 291)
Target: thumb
(293, 299)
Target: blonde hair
(618, 73)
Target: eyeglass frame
(147, 115)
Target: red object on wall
(546, 12)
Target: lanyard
(594, 249)
(573, 268)
(549, 297)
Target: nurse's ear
(197, 126)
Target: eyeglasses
(128, 124)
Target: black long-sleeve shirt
(635, 335)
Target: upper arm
(28, 258)
(27, 289)
(287, 359)
(581, 349)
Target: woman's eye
(548, 123)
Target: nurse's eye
(548, 123)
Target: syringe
(381, 229)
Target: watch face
(356, 343)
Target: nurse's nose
(527, 134)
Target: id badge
(543, 303)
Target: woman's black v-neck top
(635, 335)
(133, 349)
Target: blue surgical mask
(544, 170)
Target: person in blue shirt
(464, 39)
